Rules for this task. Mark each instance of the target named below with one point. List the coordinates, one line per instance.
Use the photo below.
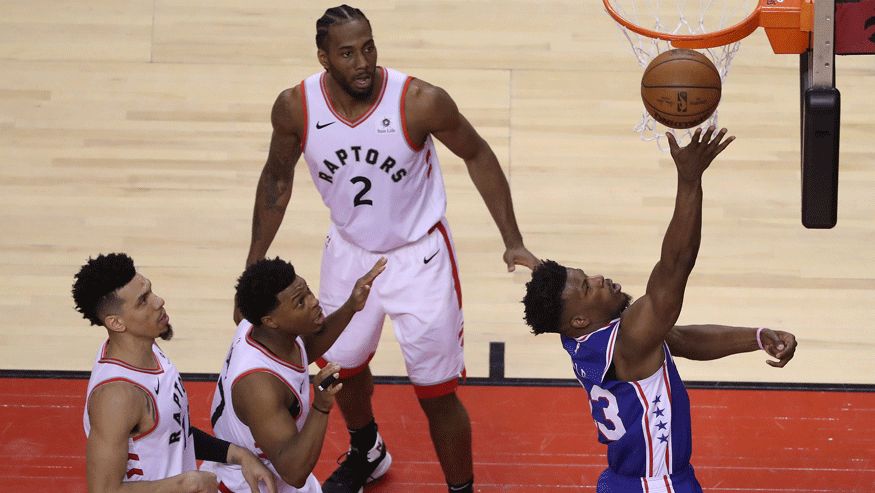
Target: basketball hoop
(714, 27)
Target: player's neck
(134, 351)
(281, 345)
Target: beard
(167, 334)
(359, 95)
(627, 301)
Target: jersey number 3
(360, 197)
(611, 413)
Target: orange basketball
(681, 88)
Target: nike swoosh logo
(318, 126)
(427, 260)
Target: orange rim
(706, 40)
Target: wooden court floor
(142, 125)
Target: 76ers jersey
(167, 449)
(646, 424)
(248, 356)
(383, 191)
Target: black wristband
(321, 411)
(208, 447)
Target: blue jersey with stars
(646, 424)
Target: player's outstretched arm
(274, 188)
(114, 409)
(645, 324)
(333, 326)
(709, 342)
(430, 110)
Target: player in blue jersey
(622, 351)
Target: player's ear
(268, 321)
(114, 323)
(323, 58)
(579, 322)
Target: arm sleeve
(208, 447)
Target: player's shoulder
(425, 93)
(429, 107)
(118, 395)
(290, 98)
(258, 391)
(288, 109)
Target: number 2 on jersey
(611, 413)
(359, 198)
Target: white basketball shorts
(421, 294)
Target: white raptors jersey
(382, 190)
(248, 356)
(168, 448)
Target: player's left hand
(780, 345)
(520, 256)
(363, 286)
(253, 470)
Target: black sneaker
(359, 469)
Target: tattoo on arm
(272, 195)
(149, 409)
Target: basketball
(681, 88)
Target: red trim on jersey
(646, 487)
(438, 390)
(609, 355)
(223, 488)
(667, 484)
(369, 112)
(133, 456)
(113, 361)
(281, 379)
(643, 398)
(440, 227)
(134, 472)
(304, 105)
(346, 372)
(135, 384)
(255, 344)
(667, 381)
(404, 117)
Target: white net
(684, 18)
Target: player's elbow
(296, 479)
(295, 473)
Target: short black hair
(543, 300)
(259, 285)
(335, 15)
(97, 283)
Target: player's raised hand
(520, 256)
(363, 286)
(693, 159)
(779, 344)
